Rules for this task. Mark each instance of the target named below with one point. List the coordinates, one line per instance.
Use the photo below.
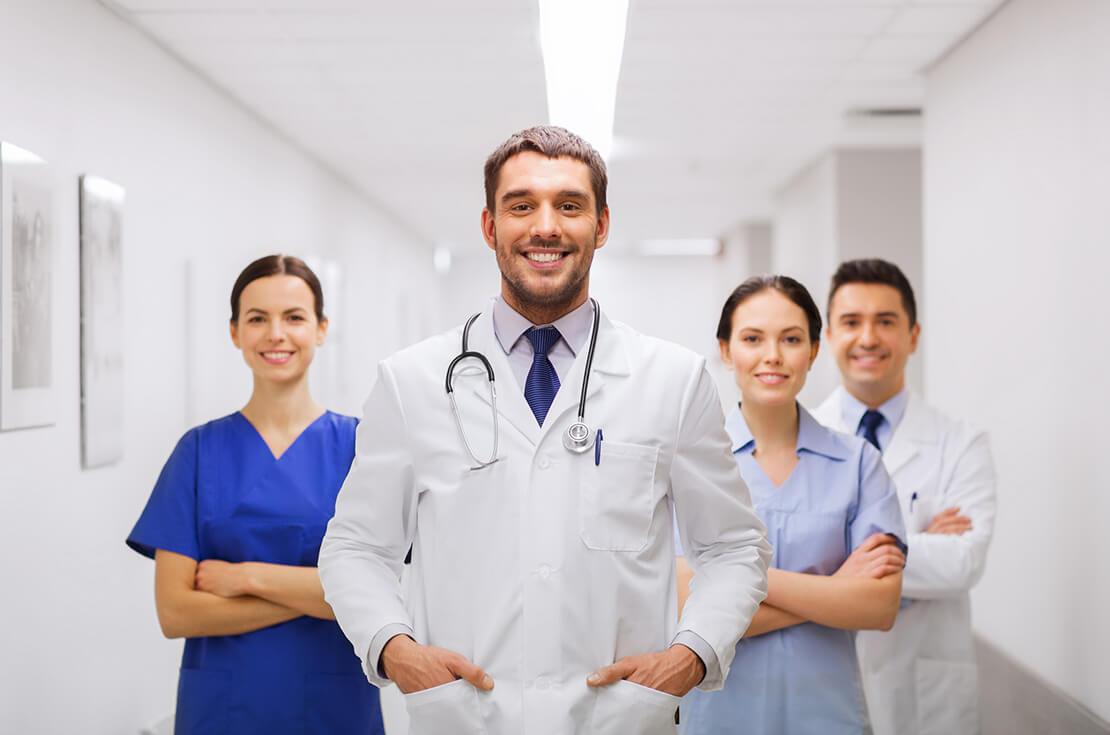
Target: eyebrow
(857, 314)
(287, 311)
(564, 194)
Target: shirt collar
(812, 436)
(509, 325)
(852, 409)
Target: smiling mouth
(868, 359)
(277, 357)
(545, 257)
(771, 378)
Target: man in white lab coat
(541, 594)
(920, 677)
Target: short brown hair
(275, 265)
(553, 142)
(874, 270)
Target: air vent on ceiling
(884, 112)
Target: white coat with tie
(920, 677)
(546, 565)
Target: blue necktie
(542, 383)
(870, 424)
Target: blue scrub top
(223, 495)
(803, 679)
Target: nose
(276, 331)
(868, 337)
(545, 224)
(773, 355)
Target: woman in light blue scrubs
(832, 518)
(235, 523)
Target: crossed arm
(213, 597)
(863, 594)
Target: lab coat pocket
(624, 707)
(616, 498)
(947, 697)
(447, 708)
(202, 702)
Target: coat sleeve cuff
(375, 674)
(705, 652)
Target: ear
(234, 328)
(915, 333)
(489, 229)
(602, 232)
(726, 355)
(814, 348)
(321, 332)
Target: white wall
(850, 203)
(1017, 172)
(205, 181)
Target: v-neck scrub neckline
(262, 439)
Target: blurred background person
(920, 676)
(822, 494)
(234, 525)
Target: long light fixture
(582, 43)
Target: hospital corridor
(554, 367)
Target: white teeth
(276, 355)
(544, 257)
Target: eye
(254, 320)
(296, 317)
(570, 207)
(850, 323)
(886, 322)
(750, 339)
(794, 339)
(520, 207)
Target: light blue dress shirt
(893, 410)
(802, 679)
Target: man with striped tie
(539, 494)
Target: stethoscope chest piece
(578, 438)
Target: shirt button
(543, 683)
(544, 463)
(544, 571)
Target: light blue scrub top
(803, 679)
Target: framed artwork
(101, 226)
(27, 391)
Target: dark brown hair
(874, 270)
(275, 265)
(553, 142)
(785, 285)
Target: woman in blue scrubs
(234, 525)
(832, 518)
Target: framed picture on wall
(101, 226)
(27, 390)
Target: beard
(557, 295)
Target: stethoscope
(577, 439)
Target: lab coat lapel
(510, 397)
(610, 359)
(912, 433)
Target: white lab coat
(920, 677)
(544, 566)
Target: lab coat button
(543, 683)
(544, 463)
(544, 571)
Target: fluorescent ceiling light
(681, 246)
(582, 43)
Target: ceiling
(719, 101)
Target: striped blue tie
(542, 383)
